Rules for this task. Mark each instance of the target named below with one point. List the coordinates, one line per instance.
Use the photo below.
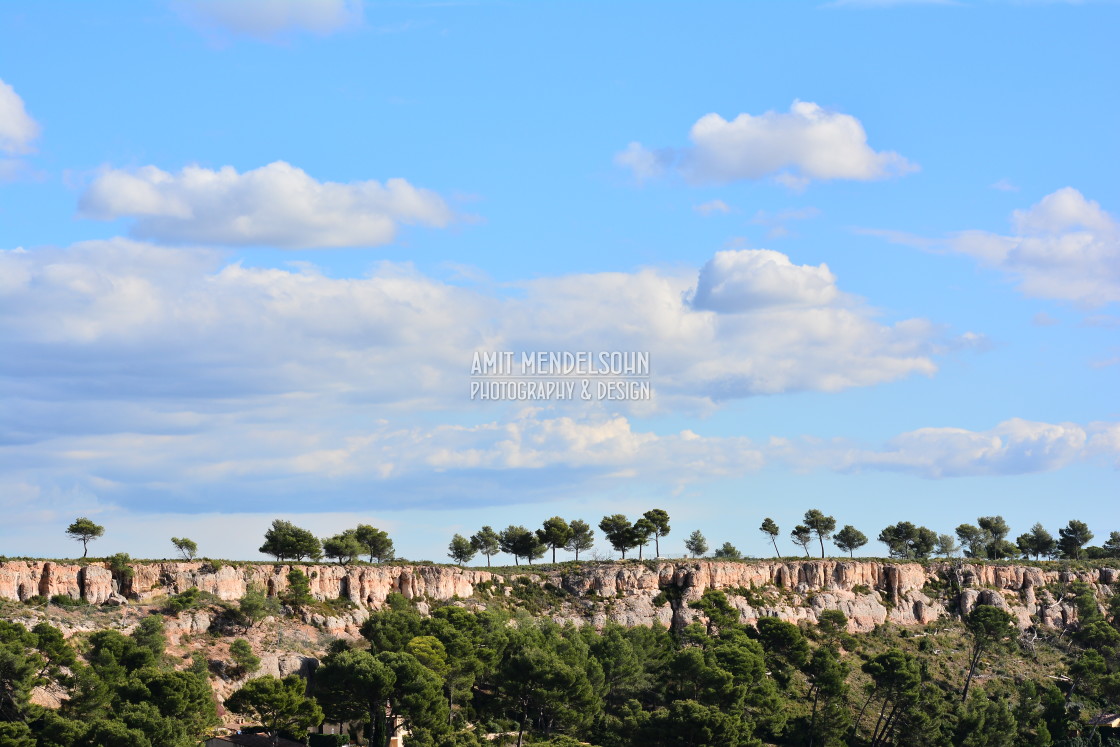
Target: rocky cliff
(631, 593)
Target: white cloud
(275, 205)
(643, 163)
(135, 370)
(17, 129)
(1005, 185)
(1064, 247)
(267, 19)
(807, 143)
(741, 280)
(750, 322)
(1013, 447)
(18, 132)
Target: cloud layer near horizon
(133, 364)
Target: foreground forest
(497, 667)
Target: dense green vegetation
(456, 675)
(116, 690)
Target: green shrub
(255, 606)
(211, 566)
(244, 660)
(190, 599)
(119, 565)
(397, 601)
(335, 606)
(63, 600)
(36, 601)
(298, 593)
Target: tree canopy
(84, 530)
(285, 541)
(486, 541)
(186, 548)
(376, 542)
(277, 704)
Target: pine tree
(696, 545)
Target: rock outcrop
(868, 592)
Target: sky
(249, 251)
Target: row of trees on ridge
(987, 539)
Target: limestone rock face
(284, 663)
(185, 624)
(20, 579)
(97, 584)
(869, 593)
(57, 578)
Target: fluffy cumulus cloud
(804, 144)
(17, 129)
(736, 281)
(276, 205)
(18, 132)
(266, 19)
(1064, 247)
(134, 367)
(1011, 448)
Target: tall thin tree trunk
(813, 720)
(866, 703)
(882, 712)
(821, 538)
(971, 670)
(774, 540)
(882, 738)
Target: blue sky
(248, 249)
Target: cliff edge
(869, 592)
